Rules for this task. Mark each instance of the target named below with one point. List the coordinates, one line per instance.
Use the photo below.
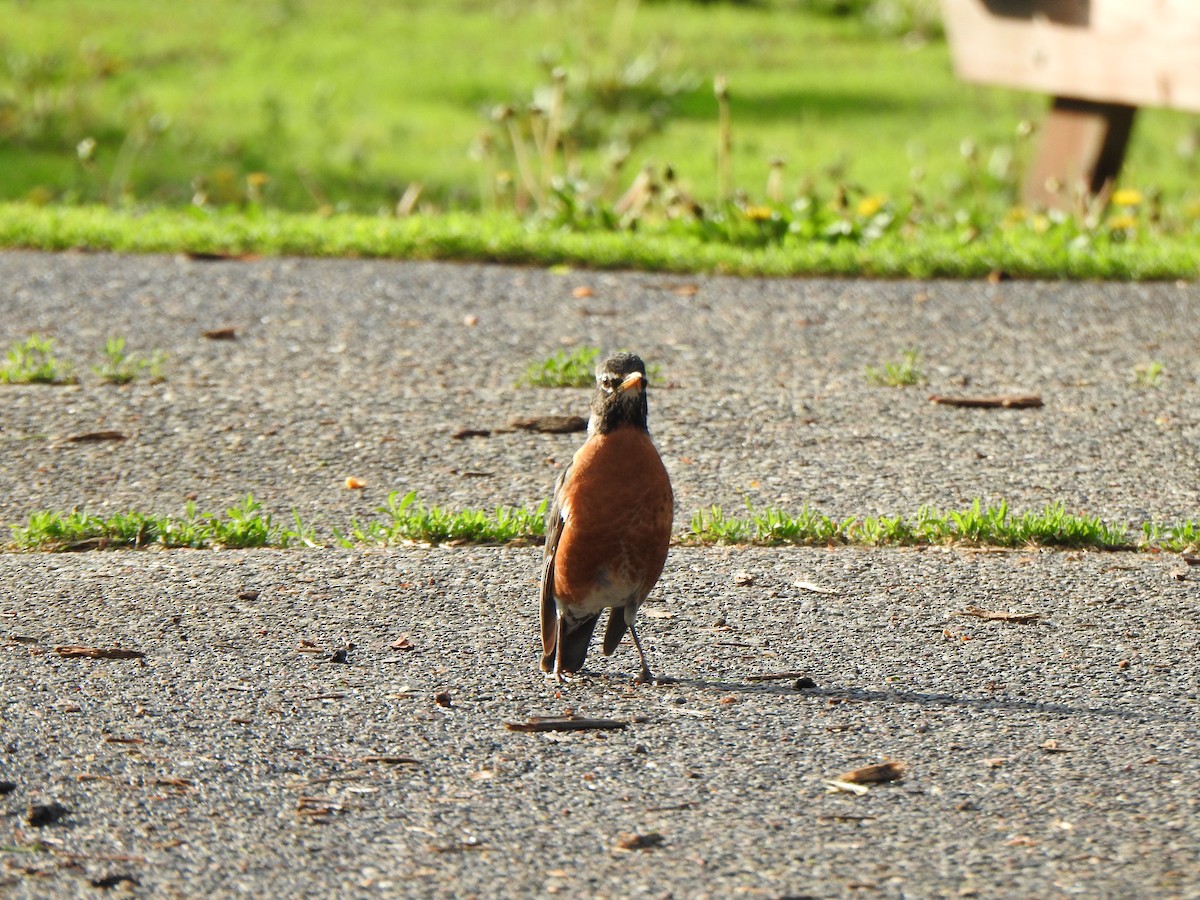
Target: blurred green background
(346, 105)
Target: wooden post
(1099, 59)
(1081, 148)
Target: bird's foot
(647, 677)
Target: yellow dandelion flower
(257, 179)
(1122, 222)
(1041, 224)
(1127, 197)
(757, 213)
(868, 206)
(1015, 215)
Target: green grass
(1181, 537)
(344, 105)
(977, 525)
(120, 367)
(905, 373)
(404, 519)
(769, 527)
(1148, 375)
(574, 369)
(557, 132)
(1064, 251)
(32, 361)
(242, 526)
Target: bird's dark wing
(554, 528)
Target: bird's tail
(574, 638)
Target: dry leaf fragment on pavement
(565, 723)
(888, 771)
(815, 588)
(96, 437)
(220, 334)
(1000, 401)
(992, 616)
(98, 653)
(846, 787)
(461, 846)
(549, 424)
(627, 841)
(1053, 746)
(316, 807)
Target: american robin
(609, 525)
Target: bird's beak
(633, 381)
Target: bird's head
(620, 394)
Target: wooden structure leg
(1082, 144)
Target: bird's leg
(645, 677)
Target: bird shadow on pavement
(784, 688)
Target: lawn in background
(345, 103)
(845, 134)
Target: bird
(609, 525)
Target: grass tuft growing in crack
(769, 527)
(979, 524)
(32, 361)
(120, 367)
(1183, 537)
(1148, 375)
(242, 526)
(905, 373)
(574, 369)
(1055, 527)
(405, 521)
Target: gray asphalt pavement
(242, 753)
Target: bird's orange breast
(618, 510)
